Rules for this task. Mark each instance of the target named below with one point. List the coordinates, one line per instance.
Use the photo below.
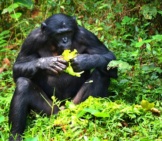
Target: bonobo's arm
(95, 53)
(29, 62)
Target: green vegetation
(133, 31)
(67, 55)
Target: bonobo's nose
(65, 39)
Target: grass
(96, 119)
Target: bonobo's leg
(27, 96)
(96, 86)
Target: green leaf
(16, 15)
(128, 21)
(157, 37)
(68, 55)
(135, 53)
(125, 20)
(31, 139)
(96, 113)
(121, 65)
(2, 118)
(102, 6)
(95, 139)
(127, 130)
(99, 28)
(146, 105)
(139, 44)
(148, 11)
(26, 3)
(148, 47)
(6, 32)
(160, 12)
(11, 8)
(2, 41)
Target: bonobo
(39, 69)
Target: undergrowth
(133, 31)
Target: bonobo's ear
(43, 26)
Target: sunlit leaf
(157, 37)
(99, 28)
(2, 118)
(121, 65)
(5, 32)
(96, 112)
(96, 139)
(31, 139)
(139, 44)
(16, 15)
(68, 55)
(103, 6)
(26, 3)
(11, 8)
(146, 105)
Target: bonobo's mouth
(61, 49)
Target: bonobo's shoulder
(84, 31)
(35, 33)
(88, 35)
(34, 40)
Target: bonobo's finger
(76, 65)
(53, 70)
(61, 59)
(61, 65)
(56, 61)
(58, 68)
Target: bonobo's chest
(63, 84)
(48, 51)
(62, 80)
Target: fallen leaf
(155, 111)
(1, 70)
(12, 46)
(35, 13)
(6, 61)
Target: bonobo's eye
(64, 36)
(69, 33)
(65, 33)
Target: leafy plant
(122, 66)
(11, 9)
(3, 36)
(149, 11)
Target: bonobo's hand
(55, 64)
(79, 63)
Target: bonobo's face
(63, 39)
(60, 30)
